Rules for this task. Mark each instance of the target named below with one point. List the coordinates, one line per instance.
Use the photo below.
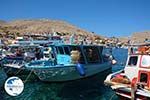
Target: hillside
(46, 26)
(2, 22)
(140, 36)
(40, 27)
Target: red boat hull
(125, 95)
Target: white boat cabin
(138, 66)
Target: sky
(104, 17)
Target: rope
(8, 70)
(15, 73)
(112, 97)
(18, 71)
(26, 98)
(28, 76)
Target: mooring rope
(18, 71)
(8, 70)
(28, 76)
(112, 97)
(26, 98)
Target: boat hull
(69, 73)
(22, 73)
(3, 77)
(126, 94)
(123, 90)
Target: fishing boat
(133, 82)
(59, 62)
(16, 57)
(69, 62)
(22, 50)
(38, 39)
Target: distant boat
(1, 51)
(41, 40)
(13, 64)
(63, 63)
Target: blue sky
(104, 17)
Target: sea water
(91, 88)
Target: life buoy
(80, 69)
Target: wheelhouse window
(81, 60)
(67, 51)
(55, 38)
(100, 52)
(145, 61)
(92, 54)
(60, 50)
(100, 49)
(143, 78)
(133, 61)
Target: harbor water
(91, 88)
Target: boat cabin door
(132, 66)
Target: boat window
(100, 52)
(66, 49)
(133, 61)
(143, 77)
(100, 49)
(92, 54)
(145, 61)
(81, 60)
(55, 38)
(60, 49)
(57, 50)
(46, 55)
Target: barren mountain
(40, 27)
(43, 26)
(140, 36)
(2, 22)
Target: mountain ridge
(40, 26)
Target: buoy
(113, 61)
(80, 69)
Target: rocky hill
(2, 22)
(46, 26)
(140, 36)
(41, 26)
(137, 37)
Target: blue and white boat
(57, 62)
(69, 62)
